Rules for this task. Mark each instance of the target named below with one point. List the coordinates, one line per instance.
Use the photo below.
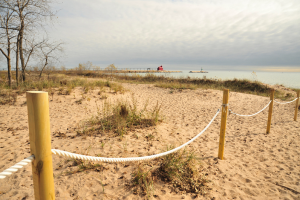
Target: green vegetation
(176, 85)
(236, 85)
(142, 181)
(83, 166)
(181, 170)
(121, 118)
(89, 70)
(110, 73)
(7, 97)
(59, 83)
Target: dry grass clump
(176, 85)
(283, 96)
(60, 82)
(85, 165)
(121, 118)
(236, 85)
(8, 97)
(181, 170)
(142, 181)
(117, 88)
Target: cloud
(235, 33)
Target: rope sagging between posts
(16, 167)
(252, 114)
(104, 159)
(286, 102)
(24, 162)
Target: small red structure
(160, 68)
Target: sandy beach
(256, 165)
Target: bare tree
(17, 59)
(48, 53)
(30, 49)
(111, 68)
(31, 15)
(6, 36)
(96, 68)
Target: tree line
(23, 33)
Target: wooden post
(223, 123)
(297, 104)
(40, 144)
(270, 110)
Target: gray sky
(181, 34)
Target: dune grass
(236, 85)
(55, 84)
(180, 170)
(176, 85)
(62, 79)
(142, 181)
(120, 118)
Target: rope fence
(103, 159)
(16, 167)
(286, 102)
(24, 162)
(40, 141)
(230, 112)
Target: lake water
(288, 79)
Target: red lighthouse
(160, 68)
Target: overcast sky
(180, 34)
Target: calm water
(288, 79)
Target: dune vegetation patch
(236, 85)
(176, 85)
(180, 170)
(119, 118)
(56, 84)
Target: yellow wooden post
(270, 110)
(223, 123)
(297, 104)
(40, 144)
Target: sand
(256, 165)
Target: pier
(147, 71)
(198, 72)
(139, 71)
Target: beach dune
(256, 165)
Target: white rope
(16, 167)
(286, 102)
(252, 114)
(103, 159)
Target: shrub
(122, 117)
(182, 170)
(142, 180)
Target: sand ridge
(256, 165)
